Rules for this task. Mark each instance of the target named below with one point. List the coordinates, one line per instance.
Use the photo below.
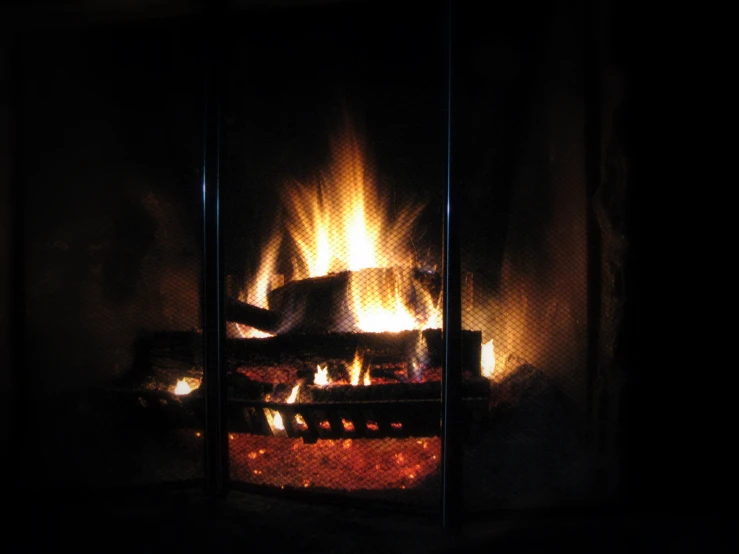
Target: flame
(277, 421)
(182, 388)
(341, 224)
(321, 376)
(355, 370)
(186, 386)
(487, 359)
(260, 286)
(293, 394)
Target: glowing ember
(396, 425)
(372, 426)
(348, 424)
(347, 464)
(487, 359)
(321, 376)
(302, 425)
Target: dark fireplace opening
(410, 215)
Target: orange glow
(347, 424)
(346, 464)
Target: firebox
(342, 249)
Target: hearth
(361, 261)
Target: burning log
(310, 350)
(168, 356)
(359, 301)
(253, 316)
(346, 302)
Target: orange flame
(277, 421)
(355, 370)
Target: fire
(186, 386)
(355, 370)
(277, 421)
(258, 289)
(321, 376)
(182, 388)
(487, 359)
(340, 223)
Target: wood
(379, 348)
(324, 304)
(253, 316)
(181, 351)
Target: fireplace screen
(109, 156)
(334, 160)
(334, 174)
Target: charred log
(183, 350)
(253, 316)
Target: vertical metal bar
(451, 496)
(216, 432)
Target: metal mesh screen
(521, 155)
(109, 153)
(334, 172)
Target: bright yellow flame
(293, 394)
(487, 359)
(341, 224)
(186, 386)
(182, 388)
(277, 422)
(355, 370)
(321, 376)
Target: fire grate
(403, 400)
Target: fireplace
(374, 271)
